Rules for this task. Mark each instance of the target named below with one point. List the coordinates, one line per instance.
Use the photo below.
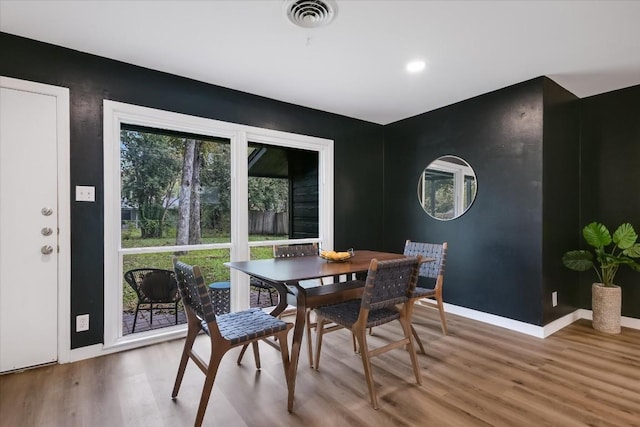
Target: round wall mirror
(447, 188)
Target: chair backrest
(195, 294)
(438, 251)
(390, 282)
(284, 251)
(153, 284)
(306, 249)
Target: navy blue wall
(91, 79)
(610, 180)
(560, 201)
(495, 250)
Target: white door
(28, 229)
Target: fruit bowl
(333, 256)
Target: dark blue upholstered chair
(433, 272)
(387, 291)
(225, 331)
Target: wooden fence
(268, 223)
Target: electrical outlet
(554, 298)
(85, 193)
(82, 322)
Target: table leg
(298, 331)
(282, 303)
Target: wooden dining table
(285, 275)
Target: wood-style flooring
(478, 375)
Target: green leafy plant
(605, 261)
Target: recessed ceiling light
(416, 66)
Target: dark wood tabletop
(294, 269)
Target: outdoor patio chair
(225, 331)
(155, 288)
(260, 286)
(433, 271)
(387, 289)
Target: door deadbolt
(46, 249)
(46, 231)
(46, 211)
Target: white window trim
(117, 113)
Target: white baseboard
(527, 328)
(129, 343)
(492, 319)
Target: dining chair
(386, 297)
(433, 271)
(289, 251)
(225, 331)
(155, 288)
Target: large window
(207, 191)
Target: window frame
(117, 113)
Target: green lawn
(211, 261)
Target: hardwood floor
(478, 375)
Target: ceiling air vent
(310, 13)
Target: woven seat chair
(388, 287)
(155, 288)
(287, 251)
(429, 270)
(225, 331)
(282, 251)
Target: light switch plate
(85, 193)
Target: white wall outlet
(85, 193)
(82, 322)
(554, 298)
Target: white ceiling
(355, 65)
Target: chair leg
(418, 340)
(406, 328)
(192, 333)
(135, 318)
(151, 314)
(270, 297)
(443, 320)
(284, 352)
(361, 336)
(214, 363)
(175, 309)
(241, 355)
(320, 322)
(256, 354)
(309, 343)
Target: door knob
(46, 249)
(46, 211)
(46, 231)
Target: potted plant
(606, 297)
